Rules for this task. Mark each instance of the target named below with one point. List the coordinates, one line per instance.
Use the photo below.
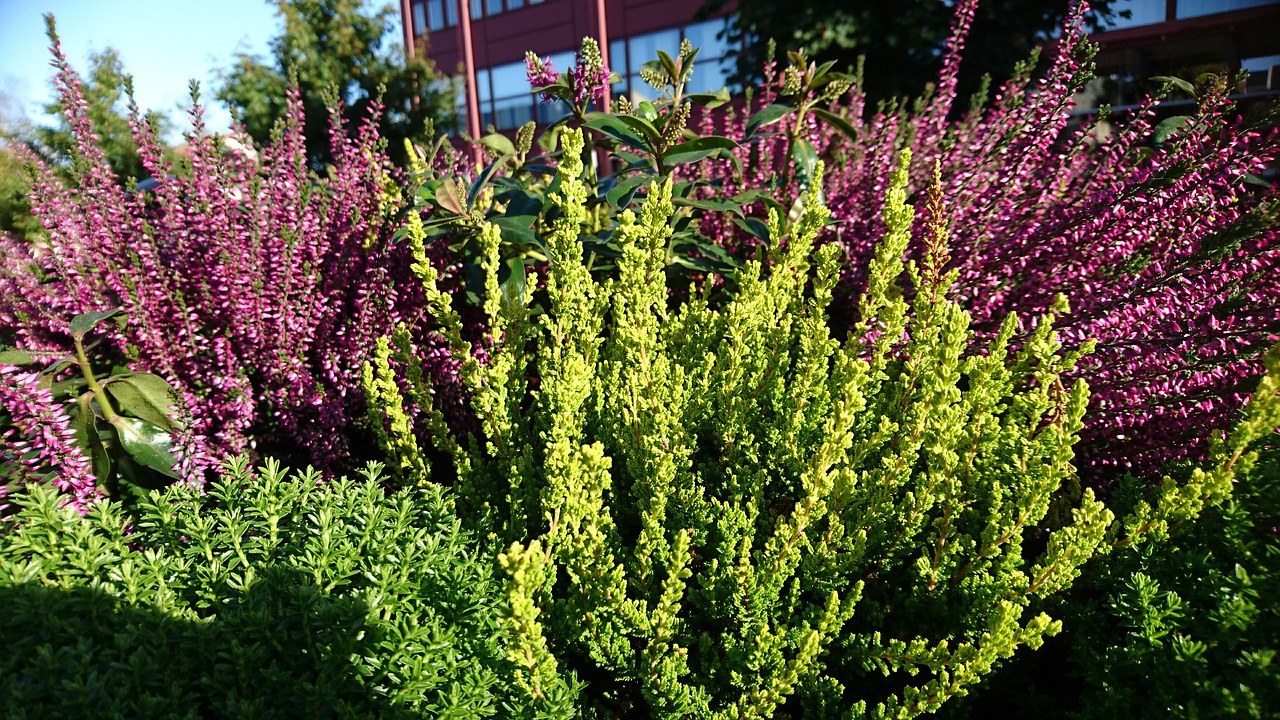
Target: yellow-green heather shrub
(716, 509)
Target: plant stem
(108, 412)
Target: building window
(419, 20)
(507, 101)
(1197, 8)
(435, 14)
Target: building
(497, 33)
(1170, 37)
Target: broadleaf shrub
(1163, 237)
(722, 511)
(271, 596)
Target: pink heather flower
(541, 73)
(39, 445)
(590, 76)
(1170, 259)
(253, 288)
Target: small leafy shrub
(1158, 225)
(268, 597)
(251, 286)
(1186, 628)
(722, 511)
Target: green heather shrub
(715, 509)
(1188, 628)
(271, 596)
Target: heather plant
(123, 423)
(252, 286)
(266, 596)
(1162, 230)
(722, 511)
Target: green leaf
(1170, 128)
(711, 100)
(499, 143)
(474, 191)
(147, 444)
(755, 226)
(631, 131)
(16, 357)
(517, 230)
(144, 396)
(837, 122)
(82, 324)
(620, 195)
(669, 65)
(694, 150)
(1177, 82)
(805, 159)
(85, 424)
(646, 111)
(764, 118)
(1255, 180)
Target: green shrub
(725, 512)
(269, 597)
(1188, 628)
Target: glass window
(643, 48)
(515, 4)
(512, 112)
(419, 20)
(483, 90)
(1196, 8)
(477, 9)
(618, 57)
(550, 112)
(451, 13)
(509, 79)
(1142, 12)
(435, 14)
(492, 7)
(703, 35)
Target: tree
(328, 48)
(106, 90)
(902, 41)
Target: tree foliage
(902, 41)
(106, 89)
(335, 47)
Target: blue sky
(162, 43)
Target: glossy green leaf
(499, 143)
(82, 324)
(476, 185)
(631, 131)
(1177, 82)
(755, 226)
(711, 100)
(764, 118)
(695, 150)
(148, 445)
(144, 396)
(836, 122)
(621, 193)
(85, 424)
(1170, 128)
(646, 111)
(805, 159)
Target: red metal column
(406, 12)
(469, 63)
(602, 37)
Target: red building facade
(497, 33)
